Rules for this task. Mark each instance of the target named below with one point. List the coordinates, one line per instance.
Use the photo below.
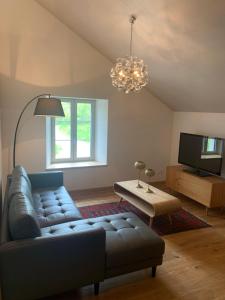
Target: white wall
(212, 124)
(39, 54)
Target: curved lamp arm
(50, 106)
(18, 122)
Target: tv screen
(202, 153)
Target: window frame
(73, 133)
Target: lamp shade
(49, 107)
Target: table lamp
(149, 173)
(139, 165)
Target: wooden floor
(193, 266)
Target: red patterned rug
(182, 220)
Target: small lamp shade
(140, 165)
(49, 107)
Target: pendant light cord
(132, 19)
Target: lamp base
(139, 186)
(149, 191)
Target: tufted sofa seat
(47, 248)
(126, 237)
(54, 205)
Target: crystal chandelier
(129, 74)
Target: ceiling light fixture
(129, 73)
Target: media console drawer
(209, 191)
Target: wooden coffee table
(153, 204)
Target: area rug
(182, 220)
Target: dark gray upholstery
(46, 180)
(23, 221)
(40, 267)
(54, 205)
(45, 250)
(19, 171)
(19, 184)
(128, 240)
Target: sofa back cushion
(19, 185)
(20, 171)
(22, 218)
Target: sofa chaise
(47, 248)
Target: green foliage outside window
(84, 122)
(63, 124)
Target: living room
(67, 49)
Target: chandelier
(129, 74)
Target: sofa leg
(96, 288)
(153, 271)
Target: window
(80, 136)
(73, 136)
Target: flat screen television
(203, 153)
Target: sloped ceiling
(181, 41)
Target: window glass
(72, 138)
(63, 133)
(83, 130)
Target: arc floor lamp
(47, 105)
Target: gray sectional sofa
(47, 248)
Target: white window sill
(81, 164)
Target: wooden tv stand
(209, 191)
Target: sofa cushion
(131, 241)
(19, 171)
(23, 221)
(128, 239)
(19, 184)
(54, 206)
